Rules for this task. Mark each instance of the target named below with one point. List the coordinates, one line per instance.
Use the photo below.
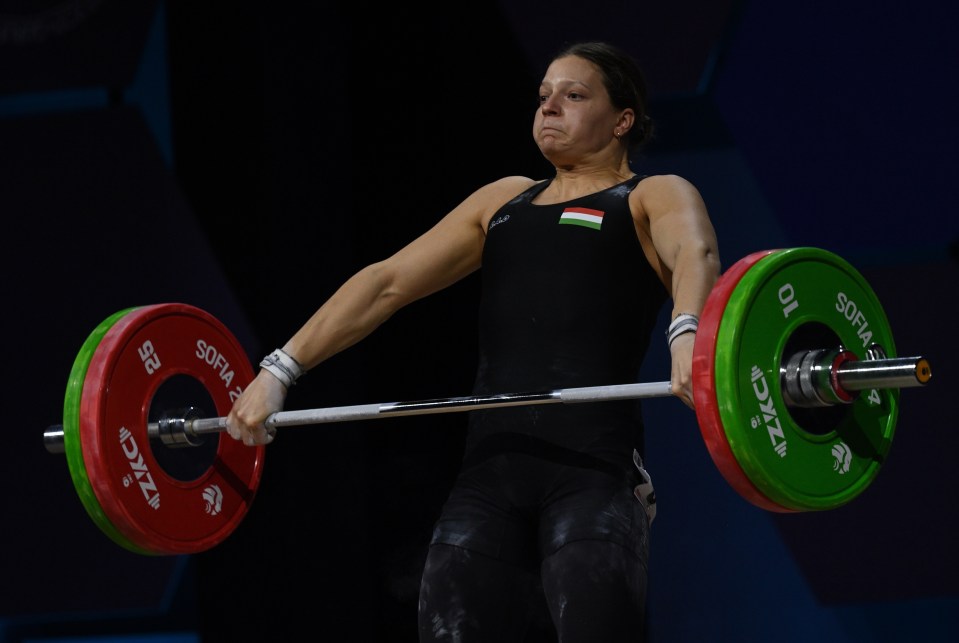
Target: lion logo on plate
(213, 498)
(842, 456)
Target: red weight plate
(704, 385)
(148, 506)
(71, 435)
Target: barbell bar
(795, 377)
(816, 377)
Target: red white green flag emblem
(586, 217)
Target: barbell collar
(172, 428)
(830, 377)
(808, 379)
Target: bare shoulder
(508, 187)
(665, 184)
(665, 193)
(486, 200)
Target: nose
(549, 106)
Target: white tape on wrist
(683, 323)
(283, 367)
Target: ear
(625, 122)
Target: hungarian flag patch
(586, 217)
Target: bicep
(678, 220)
(441, 256)
(453, 247)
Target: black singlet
(569, 299)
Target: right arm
(444, 254)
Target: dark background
(247, 157)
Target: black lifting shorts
(520, 508)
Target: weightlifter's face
(575, 116)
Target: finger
(233, 431)
(259, 435)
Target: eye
(574, 96)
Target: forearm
(354, 311)
(696, 268)
(695, 271)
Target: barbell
(796, 386)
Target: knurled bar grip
(441, 405)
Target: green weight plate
(72, 444)
(791, 301)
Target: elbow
(696, 267)
(703, 254)
(711, 261)
(388, 295)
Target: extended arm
(441, 256)
(688, 254)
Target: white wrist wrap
(285, 368)
(683, 323)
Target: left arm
(686, 256)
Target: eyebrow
(546, 83)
